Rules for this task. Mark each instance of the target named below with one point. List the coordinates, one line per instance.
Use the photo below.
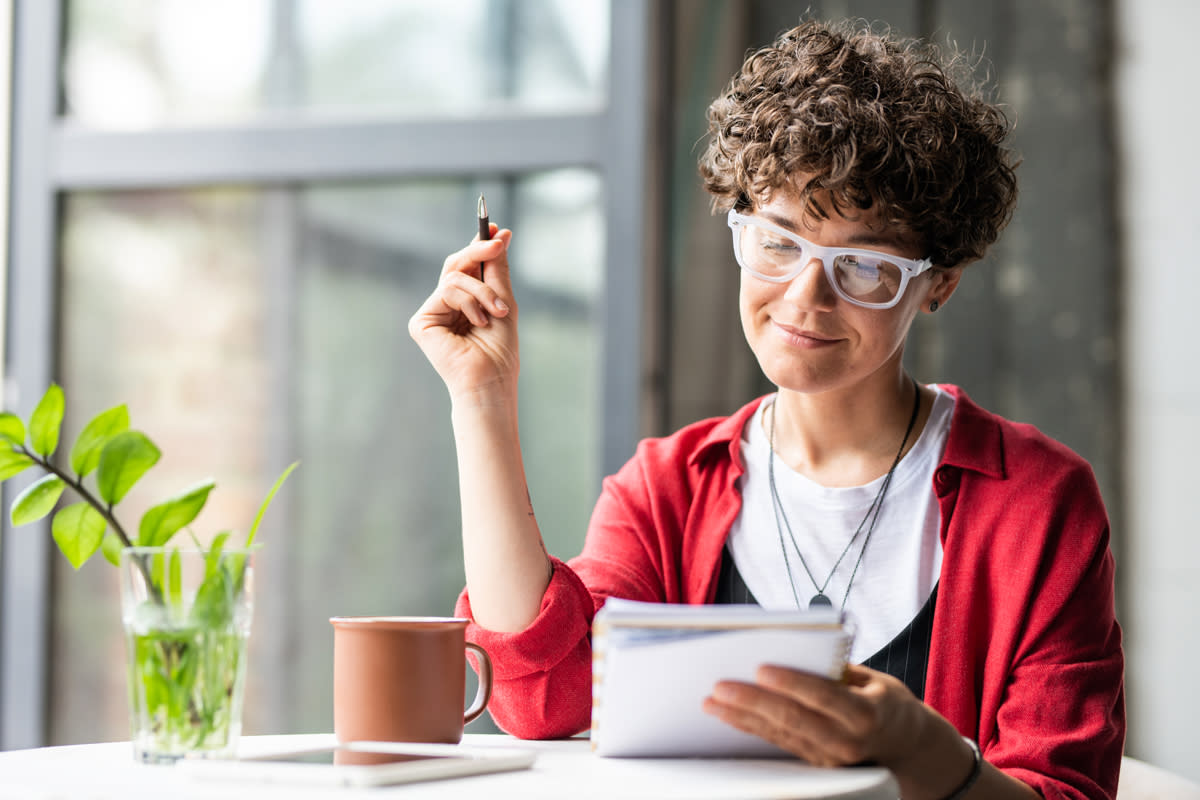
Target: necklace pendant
(819, 600)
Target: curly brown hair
(866, 120)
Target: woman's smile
(807, 339)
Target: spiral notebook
(654, 663)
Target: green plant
(187, 653)
(118, 457)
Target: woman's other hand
(868, 717)
(468, 327)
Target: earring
(933, 306)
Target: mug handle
(484, 692)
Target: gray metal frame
(269, 152)
(25, 613)
(50, 157)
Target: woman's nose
(811, 289)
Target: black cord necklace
(820, 598)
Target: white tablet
(362, 764)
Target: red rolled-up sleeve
(542, 675)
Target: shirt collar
(975, 441)
(726, 434)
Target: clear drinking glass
(187, 615)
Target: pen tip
(482, 207)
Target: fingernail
(768, 675)
(501, 305)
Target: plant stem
(82, 491)
(104, 511)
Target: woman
(972, 551)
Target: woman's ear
(944, 282)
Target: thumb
(496, 272)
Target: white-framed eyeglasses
(865, 278)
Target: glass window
(176, 302)
(145, 63)
(162, 308)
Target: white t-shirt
(900, 567)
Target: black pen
(485, 229)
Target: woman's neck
(845, 437)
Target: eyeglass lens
(772, 255)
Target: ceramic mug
(402, 679)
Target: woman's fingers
(493, 254)
(823, 721)
(761, 713)
(460, 290)
(865, 716)
(493, 228)
(467, 327)
(470, 296)
(850, 709)
(805, 731)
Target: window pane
(144, 63)
(162, 309)
(191, 305)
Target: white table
(564, 769)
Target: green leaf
(85, 455)
(13, 463)
(212, 560)
(46, 420)
(123, 461)
(37, 500)
(164, 520)
(112, 547)
(153, 674)
(175, 584)
(267, 501)
(12, 428)
(79, 531)
(158, 564)
(183, 681)
(213, 607)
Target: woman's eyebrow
(863, 239)
(780, 220)
(870, 240)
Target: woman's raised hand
(468, 331)
(468, 327)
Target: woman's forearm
(506, 564)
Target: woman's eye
(865, 270)
(873, 279)
(782, 246)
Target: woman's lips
(802, 338)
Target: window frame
(50, 157)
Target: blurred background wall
(1159, 215)
(223, 213)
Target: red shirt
(1026, 651)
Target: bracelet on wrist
(976, 768)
